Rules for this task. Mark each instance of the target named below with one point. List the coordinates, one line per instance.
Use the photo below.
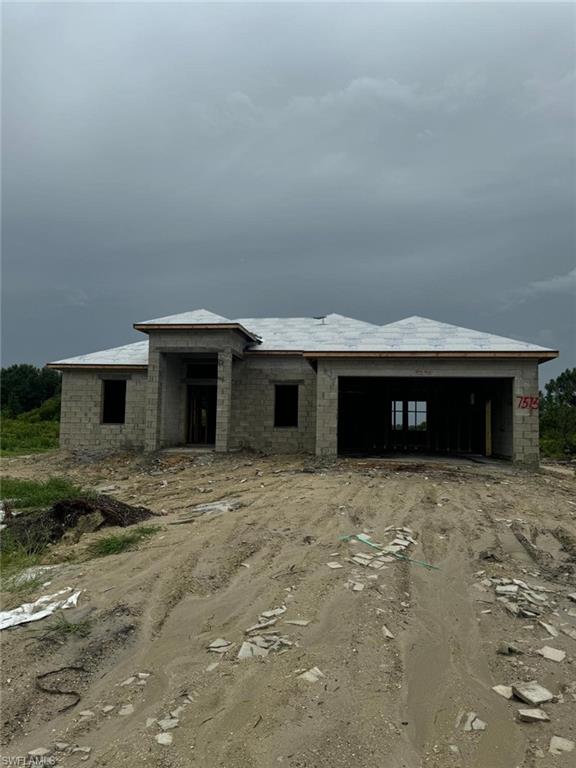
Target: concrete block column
(326, 410)
(153, 412)
(525, 417)
(224, 401)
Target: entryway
(201, 429)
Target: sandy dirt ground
(399, 702)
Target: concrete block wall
(522, 423)
(81, 416)
(224, 401)
(526, 425)
(253, 383)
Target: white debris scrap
(312, 675)
(553, 654)
(533, 715)
(386, 632)
(503, 690)
(220, 645)
(559, 745)
(532, 693)
(334, 565)
(39, 609)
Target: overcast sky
(379, 161)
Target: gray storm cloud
(375, 160)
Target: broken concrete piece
(127, 709)
(312, 675)
(533, 715)
(552, 631)
(298, 622)
(473, 723)
(260, 625)
(553, 654)
(273, 612)
(250, 650)
(85, 750)
(507, 589)
(168, 723)
(164, 738)
(220, 645)
(128, 681)
(333, 564)
(386, 632)
(559, 745)
(39, 752)
(503, 690)
(532, 693)
(143, 675)
(150, 721)
(87, 714)
(572, 597)
(107, 708)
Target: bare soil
(398, 702)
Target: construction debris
(553, 654)
(503, 690)
(127, 709)
(558, 745)
(312, 675)
(532, 693)
(533, 715)
(220, 645)
(39, 609)
(164, 738)
(386, 632)
(473, 723)
(211, 510)
(297, 622)
(334, 565)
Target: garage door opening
(447, 416)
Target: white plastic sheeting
(39, 609)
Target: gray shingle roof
(333, 333)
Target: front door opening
(451, 416)
(201, 414)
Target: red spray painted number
(529, 402)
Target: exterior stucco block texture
(81, 415)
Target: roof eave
(97, 366)
(540, 355)
(147, 327)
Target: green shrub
(114, 544)
(19, 436)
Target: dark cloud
(374, 160)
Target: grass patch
(19, 436)
(60, 629)
(29, 493)
(114, 544)
(16, 557)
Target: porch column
(223, 401)
(326, 410)
(153, 401)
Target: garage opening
(447, 416)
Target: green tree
(24, 387)
(558, 415)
